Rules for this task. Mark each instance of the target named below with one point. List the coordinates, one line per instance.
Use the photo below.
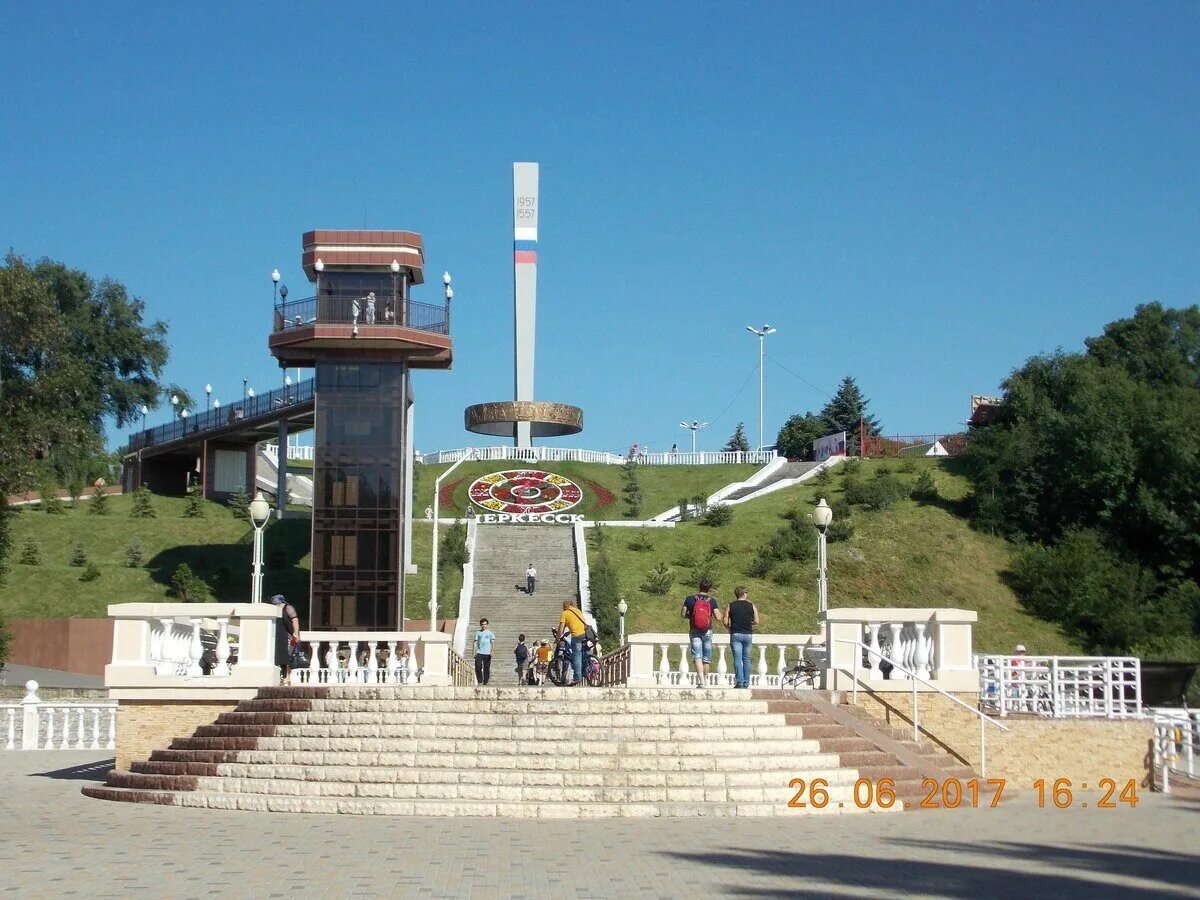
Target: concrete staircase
(516, 752)
(869, 744)
(787, 470)
(501, 554)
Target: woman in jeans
(740, 618)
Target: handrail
(983, 717)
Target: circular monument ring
(545, 419)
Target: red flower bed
(604, 496)
(446, 494)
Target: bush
(599, 536)
(51, 502)
(909, 464)
(883, 470)
(99, 504)
(605, 593)
(700, 505)
(142, 508)
(761, 565)
(641, 541)
(452, 548)
(706, 569)
(91, 573)
(840, 530)
(687, 558)
(134, 553)
(188, 586)
(79, 555)
(75, 490)
(785, 576)
(194, 508)
(880, 493)
(718, 515)
(31, 553)
(719, 550)
(823, 479)
(5, 641)
(239, 503)
(685, 509)
(925, 488)
(659, 580)
(797, 541)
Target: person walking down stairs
(484, 639)
(530, 580)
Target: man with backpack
(521, 653)
(701, 611)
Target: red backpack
(701, 612)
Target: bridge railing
(227, 414)
(664, 660)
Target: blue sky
(921, 195)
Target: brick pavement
(53, 841)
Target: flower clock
(525, 491)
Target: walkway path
(55, 842)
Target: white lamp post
(821, 517)
(275, 285)
(260, 512)
(175, 404)
(207, 397)
(693, 428)
(622, 608)
(433, 578)
(762, 333)
(319, 266)
(145, 411)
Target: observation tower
(363, 334)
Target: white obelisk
(525, 225)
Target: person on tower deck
(371, 308)
(701, 611)
(484, 638)
(572, 621)
(530, 580)
(287, 635)
(355, 310)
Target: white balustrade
(665, 660)
(935, 644)
(603, 457)
(1176, 744)
(1062, 686)
(375, 657)
(35, 724)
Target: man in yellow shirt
(572, 620)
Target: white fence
(466, 591)
(36, 724)
(1062, 686)
(1176, 744)
(295, 451)
(374, 657)
(664, 660)
(873, 646)
(563, 454)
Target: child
(522, 655)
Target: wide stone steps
(464, 808)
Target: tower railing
(357, 308)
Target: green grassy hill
(915, 554)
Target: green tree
(738, 440)
(79, 555)
(194, 507)
(239, 503)
(795, 438)
(99, 504)
(5, 641)
(188, 586)
(142, 507)
(31, 553)
(845, 411)
(134, 553)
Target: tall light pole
(207, 397)
(622, 608)
(245, 387)
(821, 517)
(175, 404)
(762, 333)
(275, 282)
(693, 428)
(260, 512)
(145, 410)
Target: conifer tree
(738, 441)
(142, 507)
(846, 411)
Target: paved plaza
(55, 842)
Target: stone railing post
(30, 706)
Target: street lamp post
(145, 411)
(245, 387)
(433, 577)
(175, 405)
(319, 267)
(693, 428)
(260, 512)
(275, 282)
(207, 397)
(762, 333)
(821, 517)
(396, 320)
(622, 608)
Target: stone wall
(1084, 750)
(144, 726)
